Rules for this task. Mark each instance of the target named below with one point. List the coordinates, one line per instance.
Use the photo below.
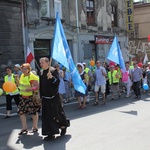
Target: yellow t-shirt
(25, 82)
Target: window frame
(90, 12)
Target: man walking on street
(100, 82)
(53, 115)
(136, 76)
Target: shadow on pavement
(30, 141)
(59, 143)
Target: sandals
(23, 131)
(82, 107)
(79, 107)
(33, 130)
(95, 103)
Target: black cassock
(53, 116)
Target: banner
(129, 16)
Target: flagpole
(50, 63)
(37, 64)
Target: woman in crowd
(126, 79)
(62, 89)
(10, 95)
(28, 83)
(79, 95)
(113, 77)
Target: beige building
(138, 40)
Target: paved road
(121, 124)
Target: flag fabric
(30, 56)
(145, 59)
(115, 54)
(61, 53)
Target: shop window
(114, 17)
(87, 51)
(90, 10)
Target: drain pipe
(77, 58)
(23, 30)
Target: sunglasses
(8, 70)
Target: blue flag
(61, 53)
(115, 54)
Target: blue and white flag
(115, 54)
(61, 53)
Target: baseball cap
(17, 65)
(84, 63)
(112, 66)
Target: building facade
(138, 40)
(89, 26)
(84, 22)
(11, 35)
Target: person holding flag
(53, 116)
(79, 94)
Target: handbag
(36, 98)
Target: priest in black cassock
(53, 116)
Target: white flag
(145, 59)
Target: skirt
(26, 106)
(114, 88)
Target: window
(58, 7)
(87, 51)
(42, 48)
(114, 17)
(44, 8)
(47, 9)
(90, 12)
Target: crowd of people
(54, 85)
(29, 83)
(109, 79)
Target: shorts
(101, 87)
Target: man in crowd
(136, 76)
(100, 82)
(53, 116)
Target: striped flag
(30, 56)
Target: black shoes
(63, 131)
(6, 117)
(49, 137)
(137, 97)
(68, 122)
